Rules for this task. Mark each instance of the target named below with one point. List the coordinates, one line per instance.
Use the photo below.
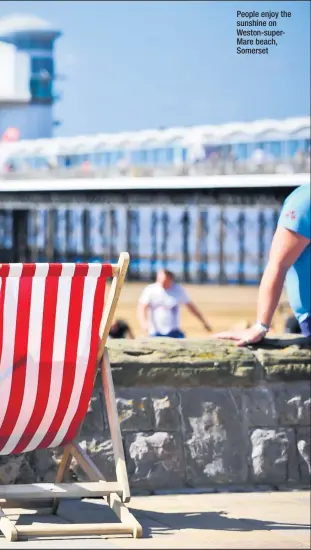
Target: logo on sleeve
(291, 214)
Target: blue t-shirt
(295, 216)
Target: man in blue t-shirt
(289, 262)
(295, 217)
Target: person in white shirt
(159, 307)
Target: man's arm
(130, 333)
(143, 307)
(286, 248)
(143, 315)
(194, 310)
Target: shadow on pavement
(161, 523)
(208, 521)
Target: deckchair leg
(7, 527)
(114, 426)
(62, 469)
(112, 301)
(124, 515)
(114, 501)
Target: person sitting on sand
(121, 329)
(159, 306)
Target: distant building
(281, 143)
(273, 147)
(27, 76)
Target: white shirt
(164, 306)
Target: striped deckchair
(53, 331)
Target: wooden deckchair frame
(117, 493)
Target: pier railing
(200, 243)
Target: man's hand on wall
(242, 337)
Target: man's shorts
(173, 334)
(305, 327)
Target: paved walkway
(234, 520)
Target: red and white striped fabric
(49, 325)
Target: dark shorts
(292, 326)
(305, 327)
(173, 334)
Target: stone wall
(197, 414)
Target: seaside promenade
(259, 520)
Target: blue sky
(134, 65)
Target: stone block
(101, 452)
(173, 362)
(303, 445)
(212, 406)
(273, 456)
(155, 461)
(166, 411)
(292, 402)
(95, 421)
(135, 410)
(285, 359)
(215, 435)
(10, 468)
(44, 463)
(33, 467)
(216, 457)
(259, 407)
(26, 474)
